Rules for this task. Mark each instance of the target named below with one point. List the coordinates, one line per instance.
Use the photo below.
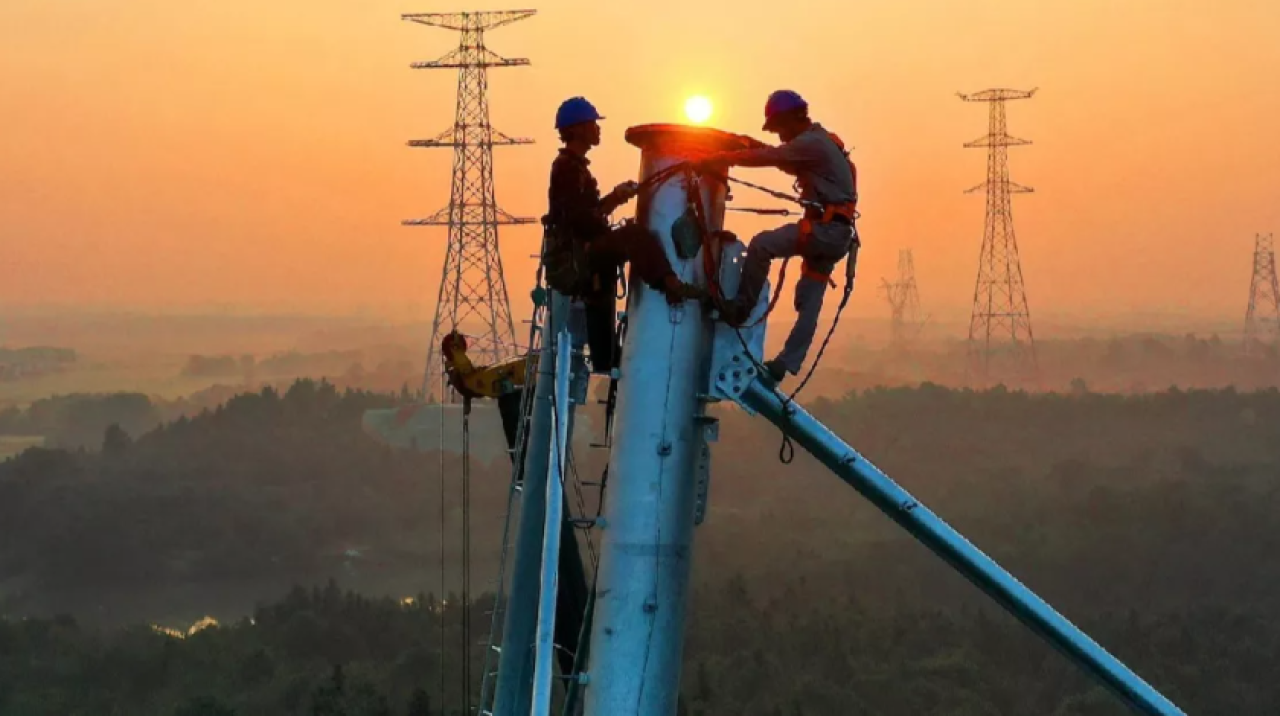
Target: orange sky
(251, 154)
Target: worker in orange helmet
(827, 182)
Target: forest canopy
(1147, 519)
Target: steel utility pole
(1000, 338)
(473, 289)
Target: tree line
(1148, 520)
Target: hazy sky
(248, 153)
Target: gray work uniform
(824, 175)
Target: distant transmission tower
(1000, 339)
(904, 303)
(473, 290)
(1262, 321)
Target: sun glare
(698, 109)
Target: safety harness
(847, 211)
(813, 211)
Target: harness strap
(806, 268)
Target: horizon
(151, 170)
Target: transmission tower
(1262, 320)
(904, 303)
(1000, 339)
(473, 290)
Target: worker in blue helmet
(583, 253)
(827, 182)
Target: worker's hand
(626, 191)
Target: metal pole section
(940, 537)
(637, 633)
(514, 690)
(551, 529)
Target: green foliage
(1148, 520)
(78, 421)
(204, 706)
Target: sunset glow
(698, 109)
(292, 198)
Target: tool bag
(564, 260)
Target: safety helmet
(575, 110)
(779, 102)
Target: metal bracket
(708, 432)
(732, 378)
(702, 483)
(579, 387)
(710, 427)
(676, 314)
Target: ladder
(493, 646)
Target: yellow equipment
(471, 382)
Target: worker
(583, 253)
(827, 182)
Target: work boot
(733, 312)
(777, 371)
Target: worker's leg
(763, 249)
(601, 333)
(828, 245)
(648, 260)
(509, 410)
(605, 255)
(809, 297)
(645, 252)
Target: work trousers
(829, 243)
(605, 255)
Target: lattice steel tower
(473, 289)
(1000, 338)
(1262, 320)
(903, 296)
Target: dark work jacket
(574, 219)
(574, 198)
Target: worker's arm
(784, 155)
(620, 195)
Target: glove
(627, 190)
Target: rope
(440, 617)
(466, 554)
(767, 212)
(808, 204)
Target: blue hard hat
(575, 110)
(779, 102)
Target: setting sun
(698, 109)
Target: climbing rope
(440, 602)
(466, 554)
(765, 212)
